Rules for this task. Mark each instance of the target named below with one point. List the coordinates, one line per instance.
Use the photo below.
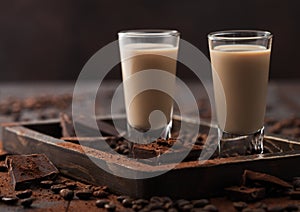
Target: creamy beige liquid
(243, 71)
(143, 56)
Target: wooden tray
(191, 179)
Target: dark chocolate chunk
(10, 200)
(27, 202)
(264, 179)
(245, 194)
(56, 188)
(26, 170)
(84, 194)
(110, 206)
(100, 203)
(240, 205)
(24, 194)
(67, 194)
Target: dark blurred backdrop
(52, 40)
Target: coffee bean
(248, 210)
(156, 199)
(27, 202)
(158, 210)
(56, 188)
(172, 210)
(137, 207)
(291, 208)
(100, 194)
(84, 194)
(200, 203)
(211, 208)
(100, 203)
(276, 209)
(127, 202)
(155, 206)
(142, 202)
(261, 205)
(88, 187)
(121, 198)
(67, 194)
(110, 206)
(46, 183)
(296, 183)
(181, 202)
(3, 168)
(187, 207)
(71, 185)
(240, 205)
(10, 200)
(24, 194)
(126, 152)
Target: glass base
(235, 145)
(141, 136)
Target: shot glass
(240, 64)
(148, 60)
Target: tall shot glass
(148, 58)
(240, 63)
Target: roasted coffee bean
(3, 168)
(67, 194)
(10, 200)
(210, 208)
(127, 202)
(291, 208)
(155, 206)
(276, 209)
(126, 152)
(27, 202)
(296, 182)
(137, 207)
(158, 210)
(110, 206)
(88, 187)
(103, 188)
(100, 194)
(24, 194)
(187, 207)
(121, 198)
(71, 185)
(84, 194)
(181, 202)
(240, 205)
(156, 199)
(172, 210)
(56, 188)
(100, 203)
(261, 205)
(142, 202)
(200, 203)
(46, 183)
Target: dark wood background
(52, 40)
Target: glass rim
(243, 35)
(148, 33)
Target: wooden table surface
(283, 101)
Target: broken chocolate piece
(27, 170)
(265, 179)
(245, 194)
